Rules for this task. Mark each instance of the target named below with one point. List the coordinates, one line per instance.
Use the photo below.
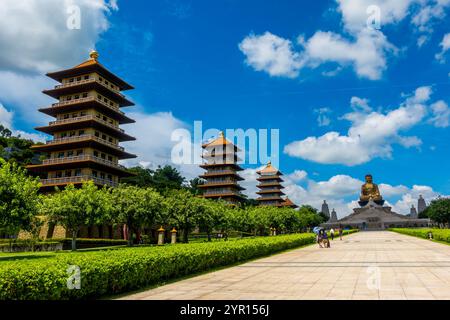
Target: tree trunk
(185, 235)
(129, 236)
(74, 240)
(209, 237)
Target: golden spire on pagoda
(94, 55)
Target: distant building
(333, 217)
(220, 156)
(85, 132)
(413, 212)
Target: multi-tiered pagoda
(220, 156)
(270, 188)
(86, 132)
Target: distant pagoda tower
(86, 133)
(325, 209)
(333, 217)
(421, 204)
(270, 188)
(220, 162)
(413, 212)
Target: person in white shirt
(332, 233)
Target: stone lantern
(173, 235)
(161, 236)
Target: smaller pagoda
(220, 162)
(270, 188)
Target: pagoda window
(59, 174)
(81, 132)
(99, 97)
(106, 82)
(94, 173)
(63, 135)
(95, 153)
(71, 80)
(104, 136)
(68, 173)
(110, 139)
(82, 113)
(105, 100)
(86, 77)
(98, 115)
(70, 153)
(79, 79)
(110, 158)
(73, 133)
(103, 156)
(61, 155)
(68, 98)
(110, 178)
(97, 134)
(85, 95)
(102, 175)
(74, 115)
(111, 104)
(77, 172)
(105, 118)
(66, 116)
(77, 96)
(100, 79)
(79, 152)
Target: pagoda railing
(87, 99)
(222, 192)
(269, 191)
(91, 80)
(87, 157)
(218, 183)
(215, 172)
(78, 179)
(82, 138)
(84, 118)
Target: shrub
(114, 271)
(83, 243)
(438, 234)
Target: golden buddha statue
(370, 191)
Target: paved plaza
(365, 265)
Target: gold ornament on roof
(94, 55)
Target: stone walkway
(365, 265)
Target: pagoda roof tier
(215, 165)
(48, 184)
(269, 170)
(221, 183)
(207, 155)
(270, 198)
(272, 184)
(288, 203)
(89, 66)
(220, 141)
(88, 121)
(266, 191)
(224, 195)
(86, 140)
(223, 173)
(81, 161)
(87, 85)
(264, 178)
(85, 103)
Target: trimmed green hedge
(85, 243)
(115, 271)
(438, 234)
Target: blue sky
(263, 65)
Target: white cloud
(370, 135)
(35, 39)
(361, 104)
(441, 114)
(323, 120)
(271, 54)
(154, 145)
(298, 175)
(366, 54)
(6, 120)
(445, 44)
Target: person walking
(320, 238)
(332, 233)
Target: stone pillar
(173, 236)
(333, 216)
(161, 236)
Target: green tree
(136, 208)
(75, 207)
(194, 186)
(439, 210)
(183, 210)
(161, 179)
(19, 198)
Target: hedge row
(438, 234)
(84, 243)
(115, 271)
